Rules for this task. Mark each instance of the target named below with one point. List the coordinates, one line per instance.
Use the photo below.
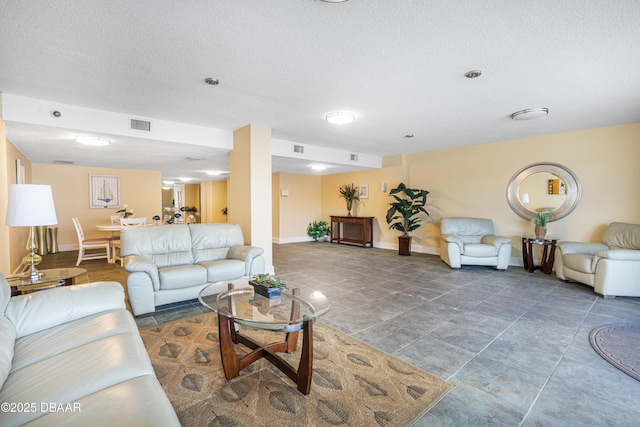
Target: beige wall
(14, 239)
(140, 190)
(213, 198)
(192, 195)
(293, 213)
(472, 181)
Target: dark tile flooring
(515, 344)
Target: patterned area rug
(353, 383)
(619, 344)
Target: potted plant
(349, 192)
(403, 213)
(125, 212)
(267, 286)
(319, 230)
(540, 221)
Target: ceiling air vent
(62, 162)
(140, 125)
(298, 149)
(354, 157)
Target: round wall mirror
(544, 187)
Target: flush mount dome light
(530, 113)
(340, 117)
(317, 167)
(94, 141)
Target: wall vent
(62, 162)
(354, 157)
(140, 125)
(298, 149)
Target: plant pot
(540, 232)
(264, 291)
(404, 245)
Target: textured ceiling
(398, 65)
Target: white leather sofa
(172, 263)
(612, 267)
(471, 241)
(72, 356)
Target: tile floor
(515, 344)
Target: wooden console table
(352, 229)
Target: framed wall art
(363, 191)
(104, 191)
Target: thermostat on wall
(284, 193)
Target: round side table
(548, 254)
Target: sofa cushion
(480, 250)
(211, 242)
(622, 236)
(182, 276)
(50, 342)
(583, 263)
(74, 374)
(224, 269)
(166, 245)
(7, 341)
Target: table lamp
(30, 206)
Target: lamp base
(31, 261)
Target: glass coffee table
(50, 278)
(290, 313)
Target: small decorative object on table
(267, 286)
(125, 212)
(349, 192)
(540, 221)
(319, 230)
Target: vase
(349, 206)
(404, 245)
(540, 232)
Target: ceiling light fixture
(215, 173)
(185, 179)
(212, 81)
(318, 167)
(334, 1)
(340, 117)
(473, 74)
(94, 141)
(168, 182)
(530, 113)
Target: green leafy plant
(403, 212)
(269, 281)
(125, 212)
(349, 192)
(192, 209)
(318, 229)
(541, 219)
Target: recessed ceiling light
(185, 179)
(318, 167)
(340, 117)
(334, 1)
(530, 113)
(409, 135)
(94, 141)
(473, 74)
(216, 173)
(168, 182)
(212, 81)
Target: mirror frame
(572, 183)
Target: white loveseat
(612, 267)
(471, 241)
(72, 356)
(172, 263)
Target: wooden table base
(233, 364)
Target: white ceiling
(398, 65)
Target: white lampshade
(29, 205)
(525, 198)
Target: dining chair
(115, 219)
(90, 244)
(124, 224)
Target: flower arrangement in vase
(125, 212)
(349, 192)
(540, 221)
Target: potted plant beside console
(403, 213)
(319, 230)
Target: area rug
(353, 383)
(619, 344)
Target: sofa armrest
(451, 239)
(620, 254)
(45, 309)
(142, 264)
(244, 253)
(581, 248)
(496, 241)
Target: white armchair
(471, 241)
(612, 267)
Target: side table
(548, 254)
(47, 279)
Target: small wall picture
(363, 191)
(104, 191)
